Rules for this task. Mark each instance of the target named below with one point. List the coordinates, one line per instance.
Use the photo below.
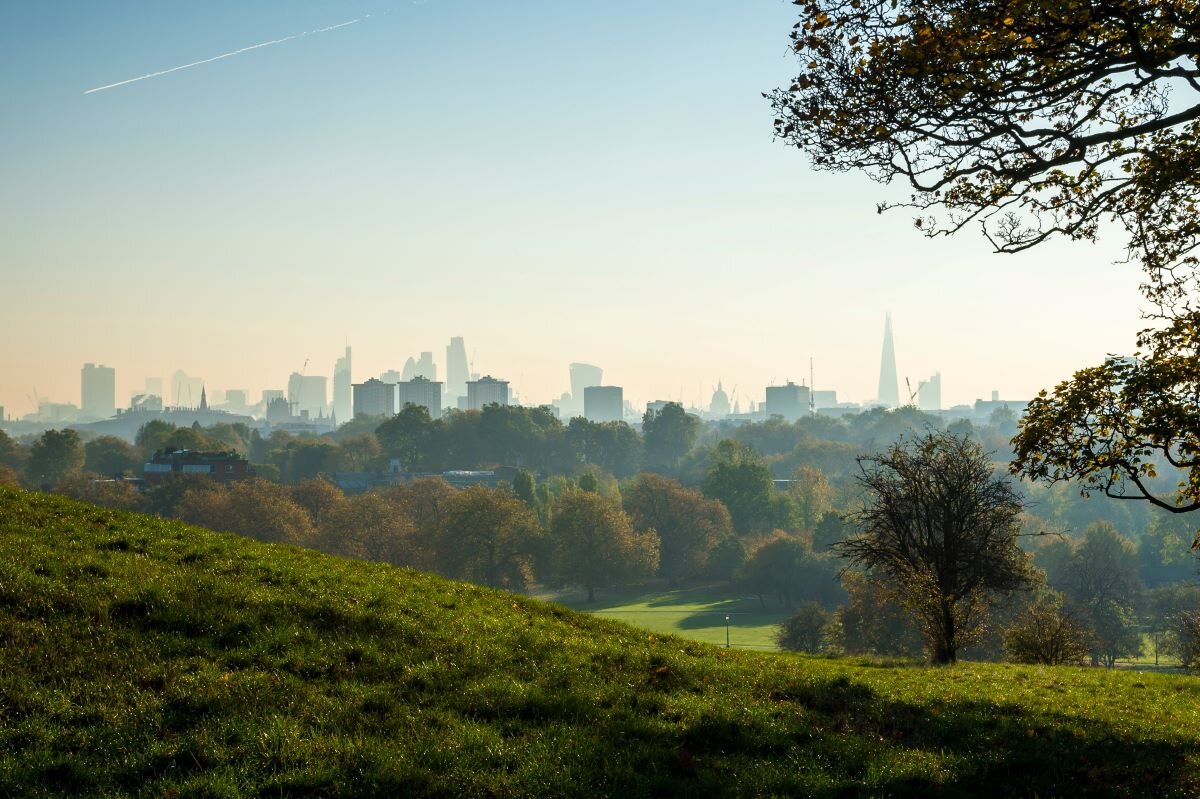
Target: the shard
(889, 383)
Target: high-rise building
(308, 394)
(374, 398)
(458, 370)
(789, 401)
(235, 400)
(392, 376)
(889, 383)
(929, 393)
(422, 367)
(269, 395)
(583, 376)
(154, 387)
(426, 393)
(603, 403)
(343, 395)
(98, 389)
(487, 390)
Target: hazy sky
(555, 181)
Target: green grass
(695, 612)
(147, 658)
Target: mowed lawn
(695, 612)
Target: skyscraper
(307, 394)
(458, 371)
(929, 393)
(343, 396)
(889, 383)
(485, 391)
(98, 390)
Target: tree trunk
(945, 651)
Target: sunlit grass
(140, 657)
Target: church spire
(203, 399)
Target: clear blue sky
(556, 181)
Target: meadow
(147, 658)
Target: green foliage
(1128, 428)
(668, 435)
(741, 481)
(146, 658)
(787, 568)
(614, 447)
(873, 622)
(806, 630)
(1115, 631)
(1048, 633)
(56, 455)
(112, 457)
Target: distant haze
(553, 181)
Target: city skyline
(684, 248)
(314, 395)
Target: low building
(789, 401)
(224, 467)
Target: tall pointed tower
(889, 383)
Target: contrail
(224, 55)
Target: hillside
(140, 657)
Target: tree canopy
(940, 523)
(1030, 118)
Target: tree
(741, 481)
(152, 436)
(404, 436)
(317, 496)
(595, 545)
(1102, 567)
(667, 435)
(252, 508)
(1128, 429)
(1187, 636)
(1115, 631)
(873, 622)
(11, 453)
(1048, 633)
(812, 494)
(1034, 119)
(1037, 120)
(612, 446)
(687, 524)
(55, 455)
(787, 567)
(109, 455)
(488, 536)
(806, 630)
(370, 527)
(940, 524)
(119, 494)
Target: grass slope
(147, 658)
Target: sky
(554, 181)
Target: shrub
(1048, 633)
(806, 630)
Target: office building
(789, 401)
(374, 398)
(422, 392)
(824, 399)
(308, 394)
(343, 397)
(603, 403)
(458, 370)
(98, 390)
(485, 391)
(929, 393)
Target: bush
(1048, 633)
(806, 631)
(1187, 639)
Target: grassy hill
(147, 658)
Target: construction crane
(912, 395)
